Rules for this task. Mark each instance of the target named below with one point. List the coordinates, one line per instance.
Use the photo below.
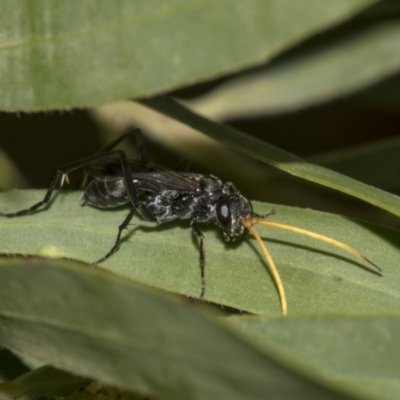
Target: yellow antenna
(248, 224)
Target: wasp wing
(150, 178)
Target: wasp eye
(223, 213)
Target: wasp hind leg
(61, 174)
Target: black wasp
(158, 195)
(162, 196)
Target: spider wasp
(161, 196)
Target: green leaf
(380, 156)
(275, 156)
(80, 53)
(359, 351)
(97, 325)
(320, 72)
(44, 381)
(318, 278)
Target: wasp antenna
(318, 236)
(248, 224)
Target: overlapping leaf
(84, 53)
(96, 325)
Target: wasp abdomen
(107, 193)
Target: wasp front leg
(202, 256)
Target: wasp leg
(139, 143)
(62, 172)
(141, 146)
(200, 236)
(126, 171)
(137, 206)
(121, 228)
(59, 177)
(131, 132)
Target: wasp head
(229, 212)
